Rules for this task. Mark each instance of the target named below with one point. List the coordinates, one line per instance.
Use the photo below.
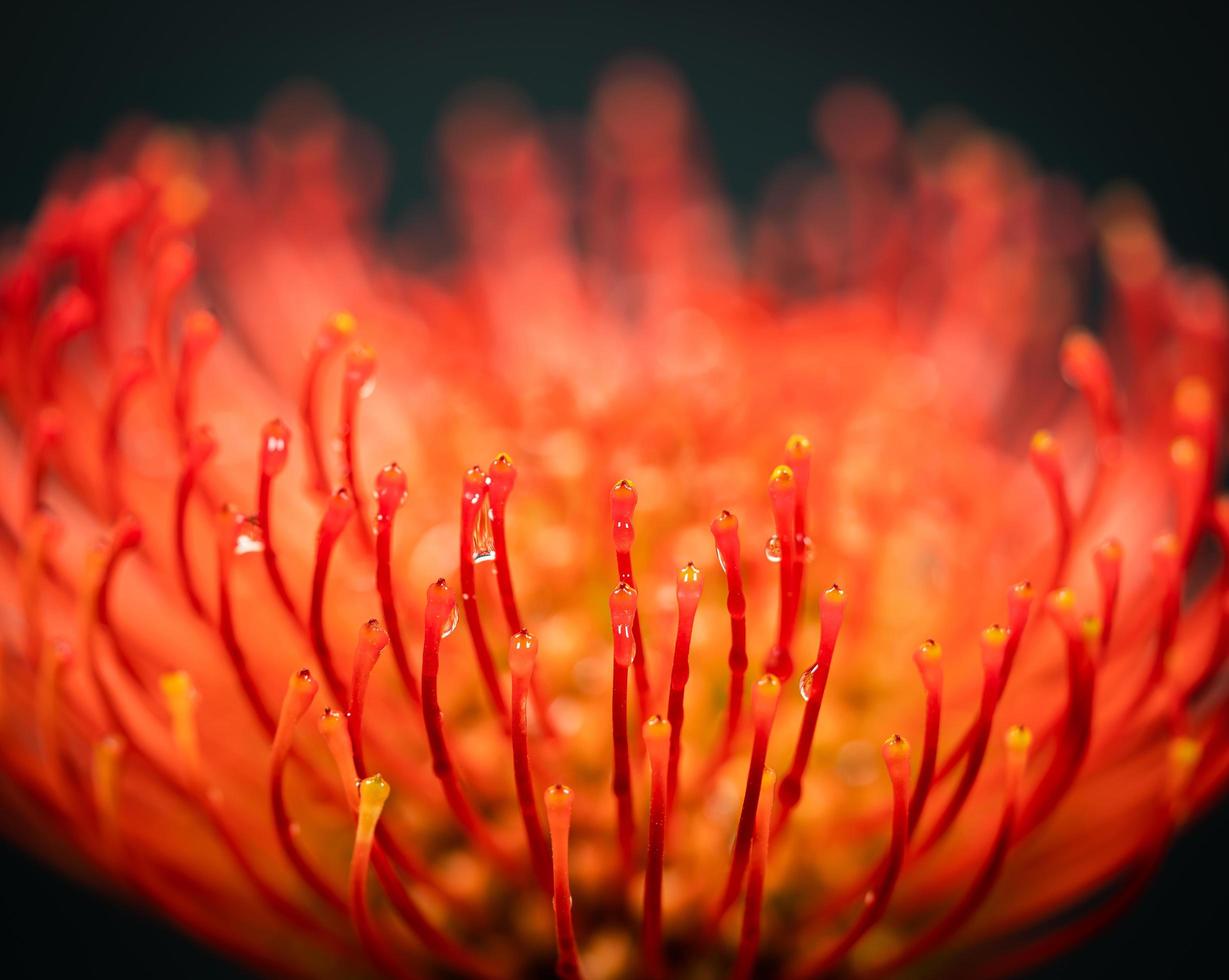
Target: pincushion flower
(282, 662)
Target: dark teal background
(1096, 92)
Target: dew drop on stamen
(450, 626)
(483, 538)
(720, 559)
(806, 682)
(772, 550)
(251, 537)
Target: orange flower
(186, 573)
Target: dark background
(1096, 92)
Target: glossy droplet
(772, 550)
(450, 625)
(720, 559)
(250, 537)
(483, 538)
(806, 682)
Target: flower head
(280, 660)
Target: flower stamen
(813, 684)
(559, 819)
(473, 494)
(356, 382)
(764, 699)
(200, 333)
(274, 447)
(622, 617)
(783, 491)
(749, 937)
(390, 494)
(234, 528)
(522, 658)
(330, 338)
(687, 590)
(1043, 454)
(338, 513)
(657, 742)
(199, 449)
(622, 511)
(300, 692)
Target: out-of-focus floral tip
(279, 661)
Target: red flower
(587, 301)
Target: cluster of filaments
(152, 731)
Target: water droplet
(483, 537)
(772, 550)
(808, 549)
(251, 537)
(720, 559)
(806, 682)
(450, 626)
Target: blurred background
(1097, 93)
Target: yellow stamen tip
(1042, 442)
(1193, 399)
(1110, 550)
(373, 791)
(896, 748)
(176, 685)
(343, 323)
(995, 635)
(522, 653)
(301, 681)
(330, 721)
(798, 447)
(931, 651)
(782, 478)
(1186, 453)
(1061, 600)
(558, 797)
(656, 729)
(1184, 753)
(1019, 739)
